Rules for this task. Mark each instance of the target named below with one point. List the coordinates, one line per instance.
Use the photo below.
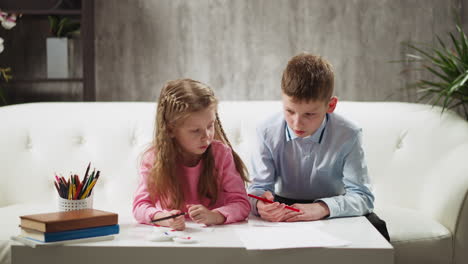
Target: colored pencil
(268, 201)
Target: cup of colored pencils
(75, 193)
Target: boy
(312, 156)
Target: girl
(191, 166)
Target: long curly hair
(178, 99)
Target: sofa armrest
(445, 197)
(460, 239)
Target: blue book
(70, 234)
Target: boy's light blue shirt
(327, 166)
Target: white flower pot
(57, 58)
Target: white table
(221, 245)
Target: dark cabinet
(25, 73)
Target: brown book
(70, 220)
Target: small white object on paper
(160, 236)
(190, 228)
(163, 234)
(185, 240)
(263, 238)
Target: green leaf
(464, 42)
(53, 22)
(434, 84)
(63, 27)
(447, 63)
(441, 42)
(71, 28)
(457, 45)
(430, 57)
(445, 78)
(2, 96)
(448, 100)
(439, 97)
(459, 82)
(62, 24)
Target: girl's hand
(177, 223)
(202, 215)
(309, 212)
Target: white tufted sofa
(417, 160)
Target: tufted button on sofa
(417, 159)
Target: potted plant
(448, 67)
(62, 29)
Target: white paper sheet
(293, 236)
(190, 228)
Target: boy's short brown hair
(308, 77)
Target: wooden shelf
(45, 80)
(85, 12)
(44, 12)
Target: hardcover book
(70, 220)
(70, 234)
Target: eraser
(185, 240)
(160, 237)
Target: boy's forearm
(324, 210)
(358, 205)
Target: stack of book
(70, 225)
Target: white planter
(57, 58)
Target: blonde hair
(178, 99)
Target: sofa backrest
(410, 148)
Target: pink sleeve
(236, 206)
(143, 207)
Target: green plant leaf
(439, 97)
(2, 96)
(53, 23)
(424, 53)
(61, 25)
(447, 102)
(464, 42)
(70, 28)
(445, 78)
(425, 95)
(433, 84)
(460, 81)
(457, 45)
(441, 43)
(445, 57)
(447, 62)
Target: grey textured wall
(238, 47)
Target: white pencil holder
(70, 205)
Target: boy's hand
(202, 215)
(177, 223)
(273, 212)
(309, 212)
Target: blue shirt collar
(316, 137)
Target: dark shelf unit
(45, 12)
(44, 80)
(86, 14)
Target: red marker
(268, 201)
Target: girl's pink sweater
(232, 198)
